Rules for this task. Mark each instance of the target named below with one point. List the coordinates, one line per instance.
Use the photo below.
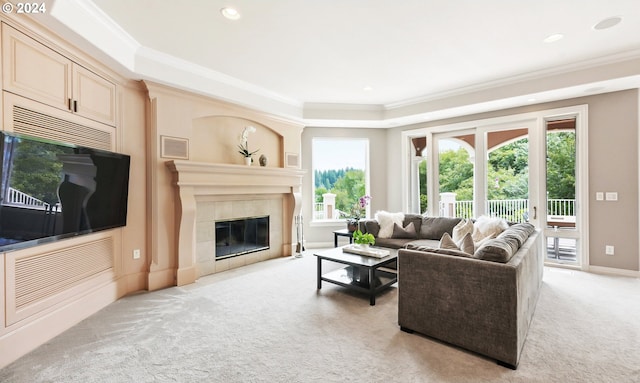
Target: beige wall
(320, 234)
(133, 142)
(613, 166)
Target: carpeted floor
(268, 323)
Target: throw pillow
(465, 245)
(461, 229)
(496, 250)
(407, 232)
(488, 227)
(521, 231)
(386, 221)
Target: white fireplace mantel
(215, 179)
(196, 179)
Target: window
(340, 176)
(530, 167)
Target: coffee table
(361, 273)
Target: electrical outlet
(611, 196)
(609, 250)
(599, 196)
(136, 254)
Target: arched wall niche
(215, 139)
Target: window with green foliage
(339, 174)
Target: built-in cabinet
(53, 91)
(37, 72)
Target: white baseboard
(613, 271)
(317, 245)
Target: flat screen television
(52, 190)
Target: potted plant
(363, 239)
(357, 211)
(244, 145)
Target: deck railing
(514, 210)
(17, 198)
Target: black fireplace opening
(241, 236)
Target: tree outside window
(339, 175)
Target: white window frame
(313, 179)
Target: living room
(170, 122)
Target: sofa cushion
(456, 253)
(435, 227)
(415, 218)
(496, 250)
(371, 226)
(386, 221)
(407, 232)
(392, 243)
(465, 245)
(432, 243)
(520, 231)
(463, 228)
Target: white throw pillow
(386, 221)
(461, 229)
(488, 227)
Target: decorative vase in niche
(352, 225)
(263, 160)
(247, 161)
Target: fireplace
(241, 236)
(208, 194)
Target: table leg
(335, 240)
(319, 268)
(372, 287)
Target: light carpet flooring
(268, 323)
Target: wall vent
(292, 160)
(36, 124)
(44, 275)
(174, 147)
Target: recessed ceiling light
(230, 13)
(367, 89)
(608, 23)
(553, 38)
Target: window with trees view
(340, 176)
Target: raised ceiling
(359, 63)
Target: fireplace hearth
(241, 236)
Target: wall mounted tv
(51, 190)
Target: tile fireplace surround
(208, 192)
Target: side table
(342, 233)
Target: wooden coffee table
(361, 273)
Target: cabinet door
(94, 97)
(35, 71)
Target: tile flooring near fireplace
(225, 209)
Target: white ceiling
(310, 60)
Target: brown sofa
(483, 302)
(429, 230)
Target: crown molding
(90, 23)
(517, 79)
